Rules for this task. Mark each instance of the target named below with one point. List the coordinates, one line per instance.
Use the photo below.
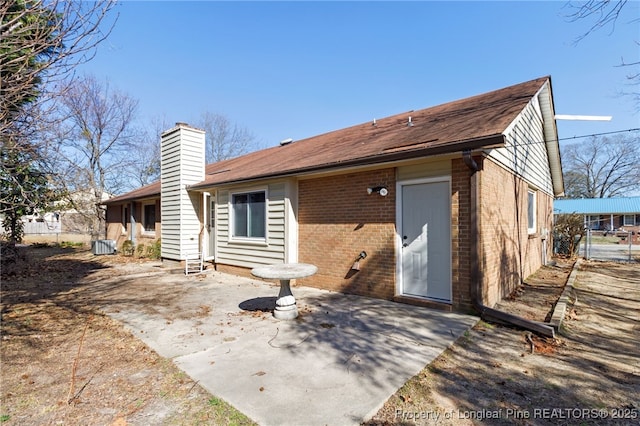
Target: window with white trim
(249, 215)
(531, 211)
(593, 222)
(149, 217)
(629, 220)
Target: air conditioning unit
(103, 247)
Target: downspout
(132, 222)
(477, 293)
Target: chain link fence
(617, 246)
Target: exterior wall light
(356, 264)
(383, 191)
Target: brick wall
(510, 253)
(461, 236)
(337, 220)
(115, 230)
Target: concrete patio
(336, 364)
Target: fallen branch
(286, 346)
(71, 397)
(530, 340)
(77, 395)
(193, 386)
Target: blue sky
(298, 69)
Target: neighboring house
(604, 214)
(452, 204)
(64, 219)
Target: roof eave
(545, 97)
(493, 141)
(119, 200)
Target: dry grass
(64, 362)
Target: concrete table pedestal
(286, 308)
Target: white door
(211, 227)
(426, 240)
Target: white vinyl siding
(525, 152)
(182, 156)
(252, 252)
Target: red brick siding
(114, 226)
(460, 236)
(337, 220)
(510, 254)
(236, 270)
(114, 229)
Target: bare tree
(224, 139)
(605, 14)
(602, 167)
(144, 161)
(41, 42)
(95, 140)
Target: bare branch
(602, 12)
(41, 42)
(93, 142)
(224, 139)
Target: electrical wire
(574, 137)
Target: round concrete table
(286, 308)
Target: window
(531, 211)
(629, 220)
(249, 214)
(149, 217)
(593, 222)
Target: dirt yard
(65, 362)
(590, 374)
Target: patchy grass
(64, 362)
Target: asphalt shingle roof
(469, 123)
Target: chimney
(182, 164)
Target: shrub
(127, 248)
(70, 244)
(154, 250)
(567, 233)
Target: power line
(601, 134)
(576, 137)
